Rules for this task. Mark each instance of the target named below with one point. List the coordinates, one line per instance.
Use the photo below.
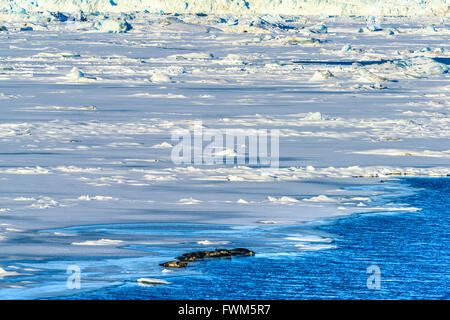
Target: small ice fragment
(373, 28)
(59, 16)
(320, 198)
(267, 222)
(4, 273)
(164, 145)
(101, 242)
(75, 74)
(282, 200)
(310, 238)
(315, 247)
(204, 242)
(114, 26)
(145, 282)
(80, 16)
(346, 48)
(313, 116)
(390, 32)
(361, 205)
(189, 201)
(319, 28)
(96, 198)
(321, 75)
(368, 76)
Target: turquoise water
(411, 250)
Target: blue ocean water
(411, 250)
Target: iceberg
(422, 66)
(113, 26)
(272, 7)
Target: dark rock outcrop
(198, 255)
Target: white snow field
(89, 101)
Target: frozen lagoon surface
(86, 176)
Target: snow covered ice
(90, 92)
(294, 7)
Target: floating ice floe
(346, 48)
(96, 198)
(319, 28)
(77, 75)
(282, 200)
(44, 203)
(315, 247)
(158, 95)
(321, 75)
(309, 238)
(406, 153)
(361, 204)
(421, 66)
(59, 16)
(225, 152)
(163, 145)
(4, 273)
(101, 242)
(393, 209)
(74, 169)
(267, 222)
(192, 56)
(25, 170)
(160, 77)
(313, 116)
(189, 201)
(233, 59)
(372, 86)
(113, 26)
(210, 243)
(320, 198)
(87, 108)
(147, 282)
(294, 40)
(368, 76)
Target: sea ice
(160, 77)
(113, 26)
(101, 242)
